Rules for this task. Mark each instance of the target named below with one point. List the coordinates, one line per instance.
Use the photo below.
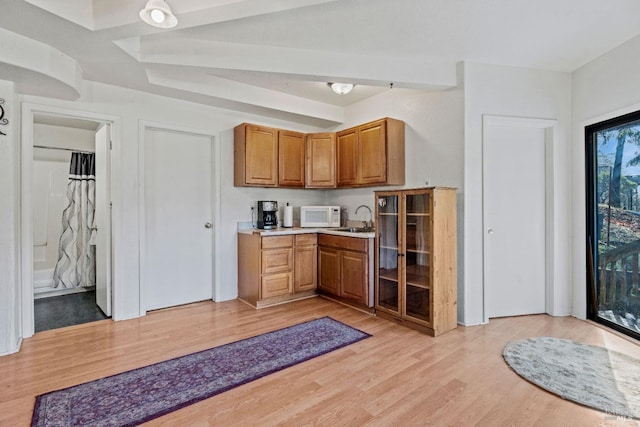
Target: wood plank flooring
(398, 377)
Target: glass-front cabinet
(412, 285)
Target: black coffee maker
(267, 214)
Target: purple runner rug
(142, 394)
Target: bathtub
(43, 285)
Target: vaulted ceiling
(276, 57)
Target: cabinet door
(417, 243)
(329, 270)
(291, 159)
(275, 284)
(388, 295)
(277, 260)
(261, 156)
(321, 160)
(306, 265)
(353, 276)
(347, 157)
(372, 152)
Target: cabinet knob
(207, 225)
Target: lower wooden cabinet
(345, 268)
(305, 259)
(274, 285)
(329, 270)
(275, 269)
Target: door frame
(489, 121)
(143, 126)
(26, 227)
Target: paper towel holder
(288, 216)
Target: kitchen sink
(356, 229)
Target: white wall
(516, 92)
(9, 223)
(602, 89)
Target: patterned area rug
(589, 375)
(136, 396)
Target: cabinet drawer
(306, 239)
(277, 260)
(341, 242)
(276, 284)
(277, 242)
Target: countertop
(281, 231)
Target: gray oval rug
(589, 375)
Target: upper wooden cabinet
(347, 159)
(291, 159)
(371, 154)
(255, 156)
(321, 160)
(366, 155)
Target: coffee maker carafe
(267, 214)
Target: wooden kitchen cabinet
(255, 156)
(291, 159)
(354, 276)
(271, 268)
(367, 155)
(321, 160)
(347, 157)
(416, 271)
(329, 270)
(305, 260)
(345, 268)
(371, 154)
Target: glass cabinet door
(417, 235)
(388, 295)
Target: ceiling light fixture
(341, 88)
(158, 14)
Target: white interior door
(514, 219)
(102, 219)
(178, 249)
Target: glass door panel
(417, 303)
(388, 296)
(417, 224)
(613, 179)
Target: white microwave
(319, 216)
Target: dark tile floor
(66, 310)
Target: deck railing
(619, 272)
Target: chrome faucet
(369, 223)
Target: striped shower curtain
(76, 266)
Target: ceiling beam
(402, 71)
(204, 84)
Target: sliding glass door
(613, 223)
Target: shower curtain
(76, 266)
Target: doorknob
(490, 230)
(207, 225)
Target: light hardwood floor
(398, 377)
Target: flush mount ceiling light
(341, 88)
(158, 13)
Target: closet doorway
(66, 213)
